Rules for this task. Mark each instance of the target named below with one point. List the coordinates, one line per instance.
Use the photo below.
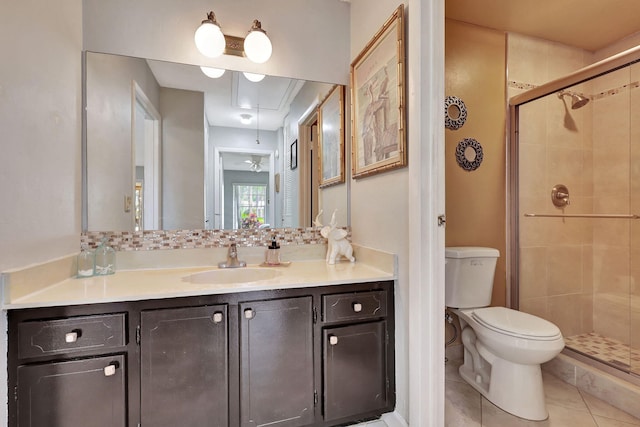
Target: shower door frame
(615, 62)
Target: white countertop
(154, 283)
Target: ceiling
(231, 95)
(587, 24)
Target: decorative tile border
(615, 91)
(187, 239)
(518, 85)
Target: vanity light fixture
(253, 77)
(211, 42)
(245, 119)
(213, 73)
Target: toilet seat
(516, 323)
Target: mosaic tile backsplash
(187, 239)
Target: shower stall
(574, 166)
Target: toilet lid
(516, 323)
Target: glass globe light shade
(257, 46)
(213, 73)
(245, 119)
(253, 77)
(209, 39)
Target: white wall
(163, 29)
(379, 204)
(40, 97)
(182, 159)
(109, 103)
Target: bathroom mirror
(167, 147)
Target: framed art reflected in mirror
(331, 138)
(293, 161)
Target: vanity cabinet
(298, 357)
(184, 367)
(276, 362)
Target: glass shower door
(576, 170)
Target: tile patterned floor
(568, 406)
(605, 349)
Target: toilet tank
(469, 272)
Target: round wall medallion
(469, 154)
(455, 112)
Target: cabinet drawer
(46, 337)
(353, 306)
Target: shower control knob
(560, 196)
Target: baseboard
(393, 419)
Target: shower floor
(608, 350)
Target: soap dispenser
(86, 262)
(105, 259)
(273, 252)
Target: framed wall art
(378, 140)
(293, 161)
(331, 138)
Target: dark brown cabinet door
(276, 365)
(355, 362)
(78, 393)
(184, 367)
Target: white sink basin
(232, 275)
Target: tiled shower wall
(579, 273)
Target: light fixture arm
(211, 18)
(257, 26)
(258, 124)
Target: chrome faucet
(232, 258)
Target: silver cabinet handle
(357, 307)
(333, 340)
(217, 317)
(109, 370)
(249, 313)
(70, 337)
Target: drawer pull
(333, 340)
(217, 317)
(71, 337)
(109, 370)
(357, 307)
(248, 313)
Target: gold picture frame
(378, 140)
(331, 138)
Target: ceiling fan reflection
(255, 163)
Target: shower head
(577, 100)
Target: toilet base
(516, 389)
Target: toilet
(503, 348)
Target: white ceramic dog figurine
(337, 243)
